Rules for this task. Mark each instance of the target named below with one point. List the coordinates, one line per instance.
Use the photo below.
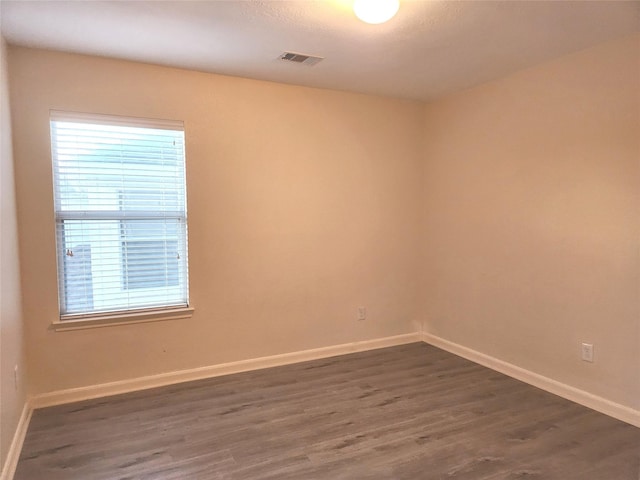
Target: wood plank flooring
(407, 412)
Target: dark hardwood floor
(407, 412)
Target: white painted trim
(169, 378)
(97, 321)
(600, 404)
(621, 412)
(15, 448)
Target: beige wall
(302, 206)
(531, 206)
(12, 399)
(305, 203)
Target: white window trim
(115, 120)
(84, 321)
(70, 322)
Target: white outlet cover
(587, 352)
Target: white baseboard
(621, 412)
(600, 404)
(169, 378)
(15, 448)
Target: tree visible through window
(120, 205)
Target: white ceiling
(431, 48)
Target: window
(121, 217)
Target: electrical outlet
(587, 352)
(362, 313)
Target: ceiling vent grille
(300, 58)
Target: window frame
(129, 314)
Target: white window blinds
(121, 217)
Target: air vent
(300, 58)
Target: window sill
(108, 320)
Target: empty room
(320, 240)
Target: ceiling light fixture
(375, 11)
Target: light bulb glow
(375, 11)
